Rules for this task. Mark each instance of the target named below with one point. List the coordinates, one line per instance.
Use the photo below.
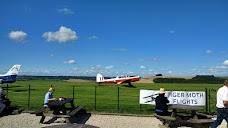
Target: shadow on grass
(23, 90)
(130, 86)
(14, 86)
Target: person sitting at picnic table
(161, 103)
(48, 96)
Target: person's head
(226, 83)
(162, 91)
(51, 90)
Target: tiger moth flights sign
(196, 98)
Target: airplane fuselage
(11, 75)
(121, 80)
(8, 79)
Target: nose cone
(139, 77)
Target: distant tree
(200, 79)
(158, 74)
(205, 76)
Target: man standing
(222, 105)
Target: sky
(114, 37)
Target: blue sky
(113, 37)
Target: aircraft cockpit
(122, 76)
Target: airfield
(142, 80)
(96, 119)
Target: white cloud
(120, 49)
(109, 67)
(209, 51)
(98, 66)
(63, 35)
(150, 59)
(18, 36)
(66, 11)
(51, 55)
(172, 31)
(221, 67)
(70, 62)
(225, 63)
(92, 37)
(142, 67)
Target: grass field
(105, 100)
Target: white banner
(175, 97)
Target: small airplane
(11, 75)
(118, 80)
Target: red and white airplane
(118, 80)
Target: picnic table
(72, 126)
(192, 120)
(57, 109)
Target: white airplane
(118, 80)
(10, 76)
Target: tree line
(199, 79)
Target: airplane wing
(119, 82)
(126, 81)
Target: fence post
(7, 88)
(206, 99)
(73, 91)
(118, 99)
(29, 98)
(95, 99)
(209, 101)
(140, 107)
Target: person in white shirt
(222, 105)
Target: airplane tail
(99, 78)
(14, 70)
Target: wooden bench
(46, 112)
(165, 117)
(204, 115)
(169, 121)
(41, 112)
(68, 117)
(76, 110)
(166, 120)
(38, 112)
(201, 123)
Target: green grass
(106, 95)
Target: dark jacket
(161, 102)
